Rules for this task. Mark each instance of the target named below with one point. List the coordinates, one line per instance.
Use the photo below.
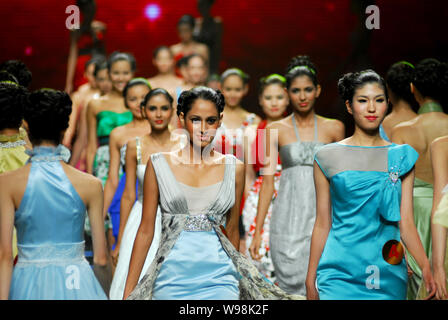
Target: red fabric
(79, 78)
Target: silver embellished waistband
(198, 223)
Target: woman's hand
(114, 255)
(255, 246)
(440, 280)
(429, 281)
(311, 292)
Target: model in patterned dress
(274, 100)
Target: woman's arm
(145, 232)
(321, 229)
(439, 161)
(100, 253)
(114, 169)
(92, 143)
(128, 198)
(7, 211)
(81, 138)
(232, 221)
(409, 232)
(266, 189)
(71, 63)
(72, 123)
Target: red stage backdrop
(260, 36)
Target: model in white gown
(129, 234)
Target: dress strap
(295, 127)
(315, 127)
(139, 150)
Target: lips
(158, 121)
(371, 118)
(303, 104)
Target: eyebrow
(379, 95)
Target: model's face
(158, 111)
(234, 89)
(201, 122)
(134, 97)
(89, 75)
(303, 93)
(196, 71)
(103, 81)
(120, 74)
(368, 107)
(185, 32)
(164, 61)
(274, 101)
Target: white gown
(129, 234)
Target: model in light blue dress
(363, 256)
(50, 224)
(195, 260)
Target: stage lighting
(152, 11)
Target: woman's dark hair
(431, 78)
(187, 19)
(12, 99)
(299, 66)
(191, 56)
(6, 76)
(121, 56)
(155, 92)
(100, 65)
(188, 97)
(94, 60)
(134, 82)
(398, 79)
(350, 82)
(235, 72)
(271, 79)
(161, 48)
(47, 112)
(19, 70)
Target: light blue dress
(195, 260)
(363, 258)
(50, 224)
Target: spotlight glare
(152, 11)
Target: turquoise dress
(49, 223)
(383, 133)
(363, 256)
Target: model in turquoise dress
(364, 239)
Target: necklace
(430, 107)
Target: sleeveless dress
(12, 157)
(195, 260)
(106, 122)
(383, 134)
(363, 256)
(49, 225)
(231, 141)
(294, 213)
(114, 207)
(129, 234)
(249, 213)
